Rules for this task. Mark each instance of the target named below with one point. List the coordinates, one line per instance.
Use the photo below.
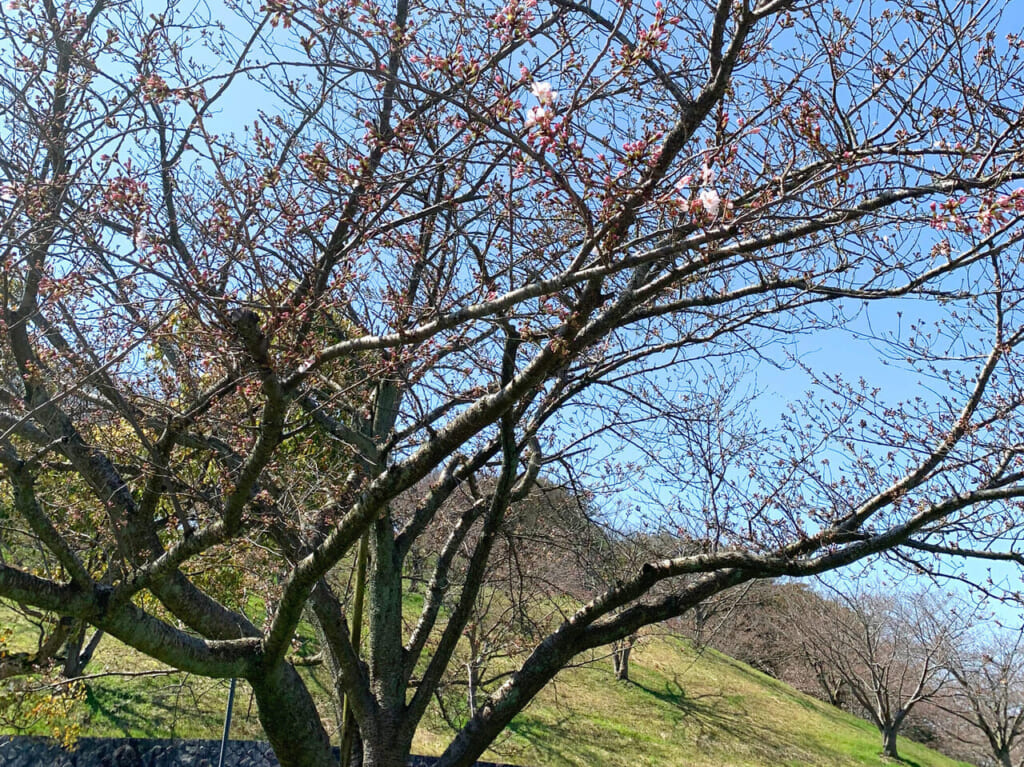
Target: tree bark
(387, 746)
(472, 683)
(889, 742)
(77, 657)
(290, 719)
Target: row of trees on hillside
(282, 281)
(907, 660)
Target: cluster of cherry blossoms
(708, 200)
(991, 214)
(541, 115)
(513, 20)
(943, 144)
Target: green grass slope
(681, 707)
(694, 709)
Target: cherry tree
(268, 269)
(888, 646)
(988, 693)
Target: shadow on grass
(707, 711)
(127, 713)
(728, 721)
(901, 760)
(148, 710)
(544, 739)
(712, 722)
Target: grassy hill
(694, 709)
(681, 707)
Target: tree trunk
(472, 682)
(889, 742)
(355, 755)
(290, 719)
(836, 695)
(701, 613)
(76, 658)
(385, 757)
(73, 651)
(1004, 758)
(386, 743)
(386, 748)
(620, 658)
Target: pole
(227, 724)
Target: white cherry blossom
(711, 201)
(536, 115)
(543, 92)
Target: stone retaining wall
(139, 752)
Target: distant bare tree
(886, 649)
(989, 692)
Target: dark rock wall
(138, 752)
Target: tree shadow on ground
(145, 710)
(122, 710)
(720, 718)
(706, 711)
(901, 760)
